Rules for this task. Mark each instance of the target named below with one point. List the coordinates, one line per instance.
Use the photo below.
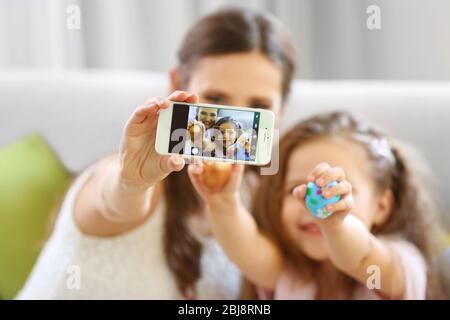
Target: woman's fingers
(158, 101)
(151, 108)
(236, 175)
(183, 96)
(193, 98)
(171, 163)
(178, 95)
(153, 105)
(342, 188)
(147, 111)
(141, 113)
(344, 205)
(142, 120)
(137, 145)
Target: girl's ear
(174, 79)
(384, 207)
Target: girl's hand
(323, 174)
(140, 165)
(223, 196)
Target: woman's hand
(119, 195)
(140, 165)
(220, 197)
(321, 175)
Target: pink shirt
(291, 287)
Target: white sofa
(82, 114)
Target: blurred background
(71, 72)
(332, 37)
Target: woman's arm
(257, 257)
(118, 196)
(94, 217)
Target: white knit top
(132, 265)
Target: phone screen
(214, 132)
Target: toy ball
(316, 203)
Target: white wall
(332, 37)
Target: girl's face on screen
(229, 134)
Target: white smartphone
(215, 132)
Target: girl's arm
(353, 248)
(257, 257)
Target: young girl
(227, 132)
(379, 241)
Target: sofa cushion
(32, 182)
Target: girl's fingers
(317, 171)
(196, 166)
(342, 188)
(194, 173)
(332, 174)
(300, 192)
(345, 204)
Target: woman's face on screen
(239, 79)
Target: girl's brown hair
(231, 30)
(413, 216)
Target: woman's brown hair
(413, 216)
(231, 30)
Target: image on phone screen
(214, 132)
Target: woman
(132, 225)
(200, 130)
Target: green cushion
(32, 181)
